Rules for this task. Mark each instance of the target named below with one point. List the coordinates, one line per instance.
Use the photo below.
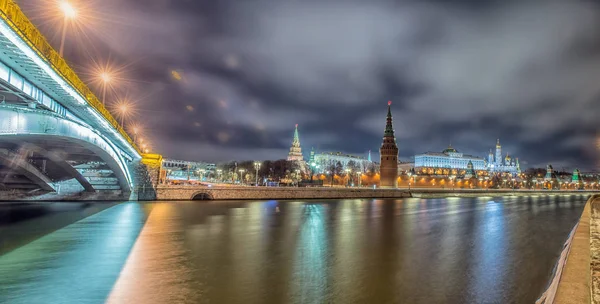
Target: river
(454, 250)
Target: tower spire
(296, 137)
(389, 128)
(295, 150)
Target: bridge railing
(16, 19)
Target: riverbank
(577, 275)
(265, 193)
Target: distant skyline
(220, 80)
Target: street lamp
(409, 179)
(452, 177)
(105, 77)
(348, 174)
(219, 171)
(241, 176)
(135, 131)
(70, 13)
(256, 166)
(358, 182)
(123, 111)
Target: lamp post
(242, 176)
(452, 177)
(348, 174)
(219, 171)
(123, 109)
(409, 179)
(70, 13)
(358, 182)
(256, 166)
(105, 80)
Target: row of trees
(289, 170)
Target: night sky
(459, 72)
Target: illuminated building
(450, 158)
(185, 170)
(404, 167)
(497, 164)
(389, 154)
(470, 173)
(184, 164)
(327, 159)
(576, 179)
(549, 173)
(295, 150)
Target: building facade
(503, 165)
(449, 158)
(389, 154)
(295, 153)
(327, 159)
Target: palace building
(449, 158)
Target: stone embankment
(576, 278)
(169, 192)
(248, 193)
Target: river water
(455, 250)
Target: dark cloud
(460, 72)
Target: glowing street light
(136, 129)
(242, 175)
(256, 166)
(124, 109)
(70, 13)
(349, 176)
(105, 77)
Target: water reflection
(80, 261)
(467, 250)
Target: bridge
(56, 137)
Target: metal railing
(11, 13)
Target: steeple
(295, 150)
(518, 165)
(498, 159)
(389, 128)
(296, 141)
(369, 158)
(389, 154)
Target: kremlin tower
(295, 150)
(389, 154)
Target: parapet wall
(225, 193)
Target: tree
(354, 166)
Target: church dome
(449, 150)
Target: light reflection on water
(80, 261)
(455, 250)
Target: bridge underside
(49, 163)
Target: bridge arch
(202, 196)
(36, 127)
